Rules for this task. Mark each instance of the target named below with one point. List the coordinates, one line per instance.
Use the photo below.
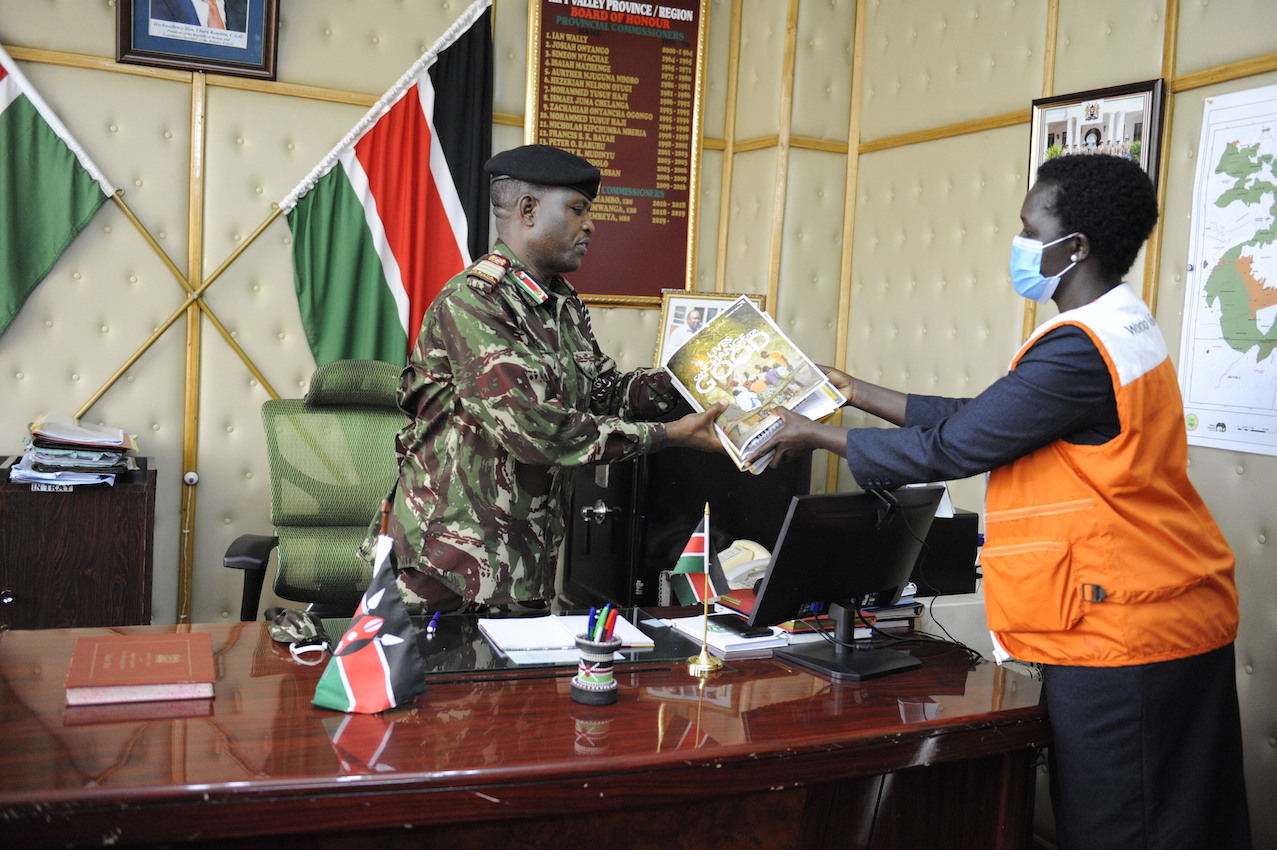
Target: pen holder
(593, 683)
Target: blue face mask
(1026, 268)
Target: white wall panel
(811, 261)
(717, 56)
(932, 64)
(932, 308)
(1129, 30)
(822, 69)
(752, 197)
(1219, 32)
(759, 80)
(509, 57)
(360, 47)
(710, 196)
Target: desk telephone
(744, 563)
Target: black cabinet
(631, 520)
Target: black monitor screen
(841, 549)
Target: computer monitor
(843, 549)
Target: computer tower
(948, 562)
(630, 520)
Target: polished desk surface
(505, 744)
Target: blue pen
(432, 625)
(589, 630)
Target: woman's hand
(800, 434)
(843, 382)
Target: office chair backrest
(332, 461)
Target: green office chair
(332, 460)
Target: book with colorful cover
(743, 358)
(121, 668)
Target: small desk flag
(698, 575)
(377, 664)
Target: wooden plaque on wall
(620, 83)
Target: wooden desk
(761, 756)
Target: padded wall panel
(811, 259)
(710, 197)
(932, 308)
(717, 53)
(509, 57)
(1217, 32)
(627, 334)
(73, 26)
(942, 63)
(822, 70)
(759, 79)
(1098, 28)
(360, 47)
(752, 196)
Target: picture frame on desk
(678, 306)
(172, 34)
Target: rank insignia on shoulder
(530, 286)
(489, 269)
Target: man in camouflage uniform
(506, 391)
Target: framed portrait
(1123, 121)
(684, 312)
(236, 37)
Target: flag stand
(705, 664)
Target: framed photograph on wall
(684, 312)
(1122, 121)
(236, 37)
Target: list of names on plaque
(617, 85)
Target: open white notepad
(546, 634)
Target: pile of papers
(725, 643)
(61, 452)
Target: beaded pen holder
(593, 683)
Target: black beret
(546, 166)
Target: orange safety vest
(1105, 555)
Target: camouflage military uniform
(506, 390)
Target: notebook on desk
(459, 646)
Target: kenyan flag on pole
(698, 575)
(49, 189)
(400, 205)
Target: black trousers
(1148, 756)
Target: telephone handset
(744, 563)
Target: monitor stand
(847, 658)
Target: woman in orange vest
(1101, 562)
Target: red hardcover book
(741, 601)
(140, 668)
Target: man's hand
(696, 430)
(800, 434)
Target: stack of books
(902, 616)
(61, 452)
(727, 644)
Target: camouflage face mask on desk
(303, 632)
